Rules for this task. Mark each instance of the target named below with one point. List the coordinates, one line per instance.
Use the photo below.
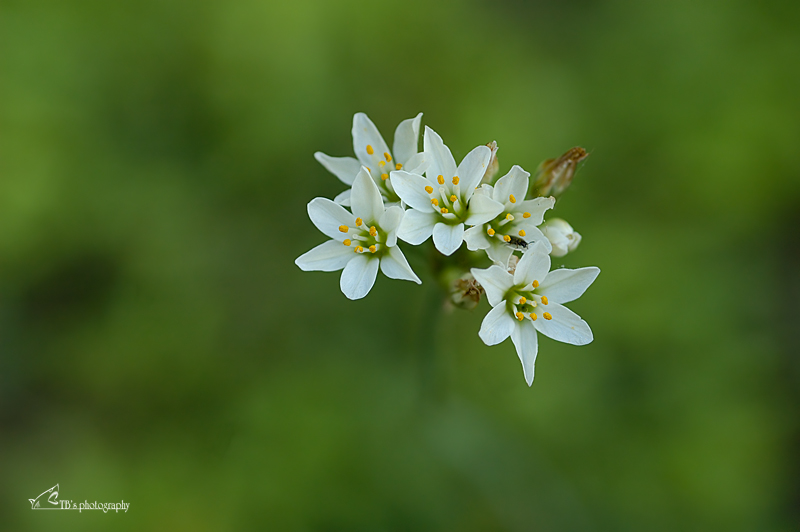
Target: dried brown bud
(465, 292)
(492, 167)
(554, 176)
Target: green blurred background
(159, 346)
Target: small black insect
(517, 242)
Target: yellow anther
(444, 210)
(507, 238)
(522, 300)
(398, 166)
(522, 232)
(547, 316)
(544, 300)
(509, 217)
(373, 231)
(453, 198)
(512, 199)
(534, 317)
(373, 249)
(535, 283)
(346, 242)
(370, 150)
(435, 201)
(368, 170)
(490, 231)
(381, 164)
(384, 176)
(520, 316)
(455, 180)
(440, 179)
(344, 228)
(359, 221)
(429, 189)
(387, 156)
(358, 249)
(526, 215)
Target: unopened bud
(561, 235)
(465, 292)
(493, 166)
(513, 260)
(554, 176)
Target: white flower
(360, 241)
(516, 225)
(373, 153)
(561, 235)
(444, 202)
(531, 300)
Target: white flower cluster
(410, 195)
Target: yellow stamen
(359, 249)
(429, 189)
(526, 215)
(455, 180)
(370, 150)
(490, 231)
(373, 249)
(373, 231)
(344, 228)
(512, 199)
(522, 301)
(544, 300)
(387, 156)
(507, 238)
(368, 170)
(444, 210)
(522, 232)
(535, 283)
(534, 317)
(547, 316)
(359, 221)
(520, 316)
(381, 164)
(435, 201)
(398, 166)
(384, 176)
(509, 217)
(440, 179)
(453, 198)
(346, 242)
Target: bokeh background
(159, 346)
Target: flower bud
(554, 176)
(493, 166)
(561, 235)
(465, 292)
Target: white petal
(496, 281)
(537, 208)
(497, 325)
(482, 209)
(406, 139)
(328, 216)
(563, 286)
(345, 168)
(327, 257)
(417, 164)
(366, 134)
(565, 326)
(472, 168)
(390, 222)
(343, 199)
(524, 338)
(533, 266)
(366, 198)
(514, 182)
(417, 226)
(476, 238)
(411, 189)
(499, 252)
(359, 275)
(439, 156)
(448, 238)
(395, 266)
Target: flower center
(447, 201)
(524, 303)
(364, 238)
(380, 169)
